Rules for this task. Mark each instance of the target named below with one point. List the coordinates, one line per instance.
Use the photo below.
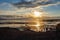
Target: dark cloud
(33, 3)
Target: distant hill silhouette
(58, 31)
(58, 27)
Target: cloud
(7, 6)
(9, 9)
(55, 4)
(35, 3)
(25, 6)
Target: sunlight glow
(37, 14)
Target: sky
(17, 7)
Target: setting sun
(37, 14)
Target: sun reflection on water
(37, 26)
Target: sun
(37, 14)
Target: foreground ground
(15, 34)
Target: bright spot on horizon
(37, 14)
